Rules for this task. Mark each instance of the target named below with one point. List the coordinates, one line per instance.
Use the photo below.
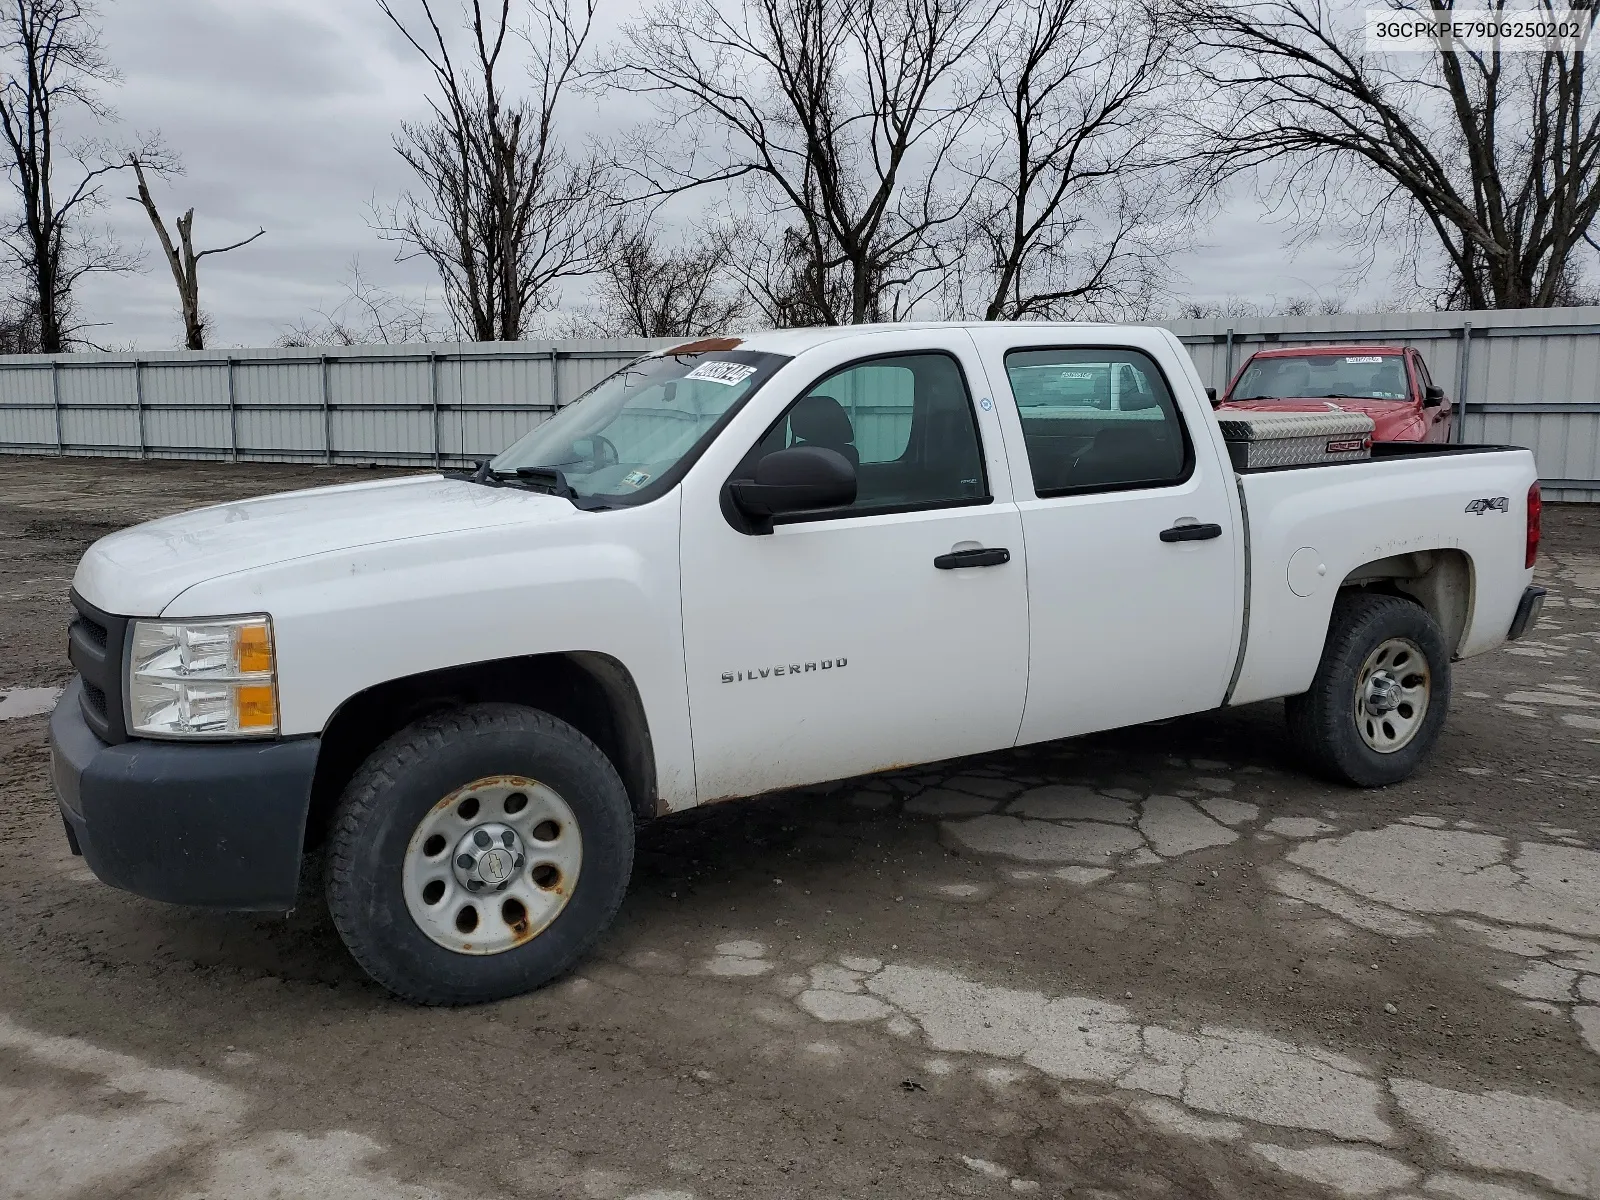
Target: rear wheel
(1380, 695)
(478, 854)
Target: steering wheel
(603, 452)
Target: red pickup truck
(1390, 384)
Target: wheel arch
(592, 692)
(1441, 580)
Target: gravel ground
(1158, 963)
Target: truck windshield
(1321, 376)
(622, 440)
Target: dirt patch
(66, 538)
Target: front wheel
(1380, 694)
(477, 854)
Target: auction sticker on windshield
(729, 373)
(1375, 358)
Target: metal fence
(1527, 377)
(434, 405)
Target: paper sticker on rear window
(1376, 358)
(729, 373)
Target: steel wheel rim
(500, 823)
(1393, 691)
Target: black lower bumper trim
(216, 825)
(1528, 610)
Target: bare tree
(794, 282)
(1231, 306)
(183, 259)
(1491, 159)
(647, 289)
(19, 326)
(367, 315)
(1315, 303)
(840, 116)
(1073, 207)
(51, 69)
(502, 211)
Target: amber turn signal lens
(255, 649)
(257, 710)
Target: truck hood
(141, 570)
(1392, 419)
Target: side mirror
(1211, 395)
(1432, 396)
(798, 479)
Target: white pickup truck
(733, 567)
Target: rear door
(1130, 522)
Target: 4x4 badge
(1500, 503)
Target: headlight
(214, 678)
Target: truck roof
(1286, 351)
(794, 341)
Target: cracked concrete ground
(1157, 963)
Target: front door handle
(986, 556)
(1191, 533)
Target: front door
(868, 637)
(1134, 569)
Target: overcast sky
(283, 112)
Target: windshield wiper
(551, 480)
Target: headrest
(822, 421)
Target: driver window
(904, 422)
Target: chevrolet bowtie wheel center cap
(488, 857)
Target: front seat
(823, 421)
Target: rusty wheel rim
(492, 864)
(1393, 691)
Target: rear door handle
(986, 556)
(1191, 533)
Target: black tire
(401, 783)
(1322, 722)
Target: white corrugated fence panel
(27, 411)
(98, 410)
(185, 408)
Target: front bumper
(1528, 610)
(216, 825)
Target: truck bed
(1317, 531)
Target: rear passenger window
(1097, 420)
(905, 422)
